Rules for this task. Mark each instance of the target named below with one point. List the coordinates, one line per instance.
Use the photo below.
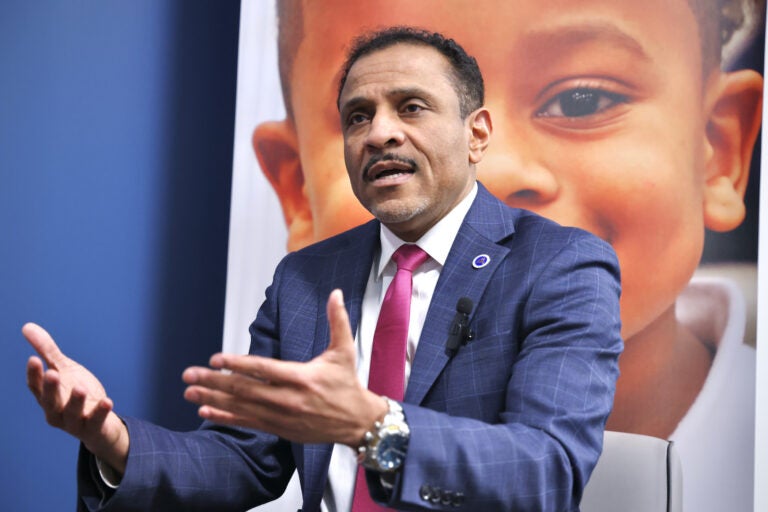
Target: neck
(663, 368)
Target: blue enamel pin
(481, 260)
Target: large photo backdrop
(636, 121)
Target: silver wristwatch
(384, 447)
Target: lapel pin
(481, 260)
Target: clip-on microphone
(459, 332)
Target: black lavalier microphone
(459, 331)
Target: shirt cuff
(109, 476)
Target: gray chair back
(635, 473)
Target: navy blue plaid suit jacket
(513, 420)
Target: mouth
(388, 167)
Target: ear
(480, 127)
(732, 129)
(277, 151)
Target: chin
(399, 212)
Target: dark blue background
(116, 127)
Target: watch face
(391, 451)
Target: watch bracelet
(394, 415)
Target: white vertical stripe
(257, 233)
(761, 382)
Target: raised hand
(74, 400)
(315, 402)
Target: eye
(580, 102)
(356, 118)
(412, 107)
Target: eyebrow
(399, 92)
(585, 32)
(352, 104)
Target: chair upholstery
(635, 473)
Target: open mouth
(387, 167)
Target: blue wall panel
(116, 123)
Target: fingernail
(217, 360)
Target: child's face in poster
(601, 120)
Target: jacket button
(437, 495)
(426, 492)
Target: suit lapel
(486, 223)
(345, 266)
(351, 264)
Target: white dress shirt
(437, 243)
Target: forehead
(329, 26)
(403, 68)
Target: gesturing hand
(74, 400)
(319, 401)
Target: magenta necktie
(390, 342)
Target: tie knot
(409, 257)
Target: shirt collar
(436, 242)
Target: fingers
(341, 332)
(238, 395)
(223, 407)
(288, 372)
(35, 376)
(70, 413)
(268, 415)
(220, 416)
(50, 399)
(74, 408)
(209, 398)
(43, 344)
(275, 395)
(256, 420)
(76, 417)
(341, 348)
(101, 411)
(262, 419)
(260, 368)
(217, 385)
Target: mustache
(387, 157)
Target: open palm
(73, 399)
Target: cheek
(445, 152)
(632, 188)
(350, 158)
(648, 205)
(657, 231)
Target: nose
(385, 130)
(518, 180)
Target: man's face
(600, 121)
(406, 146)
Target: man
(613, 116)
(506, 415)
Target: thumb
(342, 341)
(43, 344)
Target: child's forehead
(504, 24)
